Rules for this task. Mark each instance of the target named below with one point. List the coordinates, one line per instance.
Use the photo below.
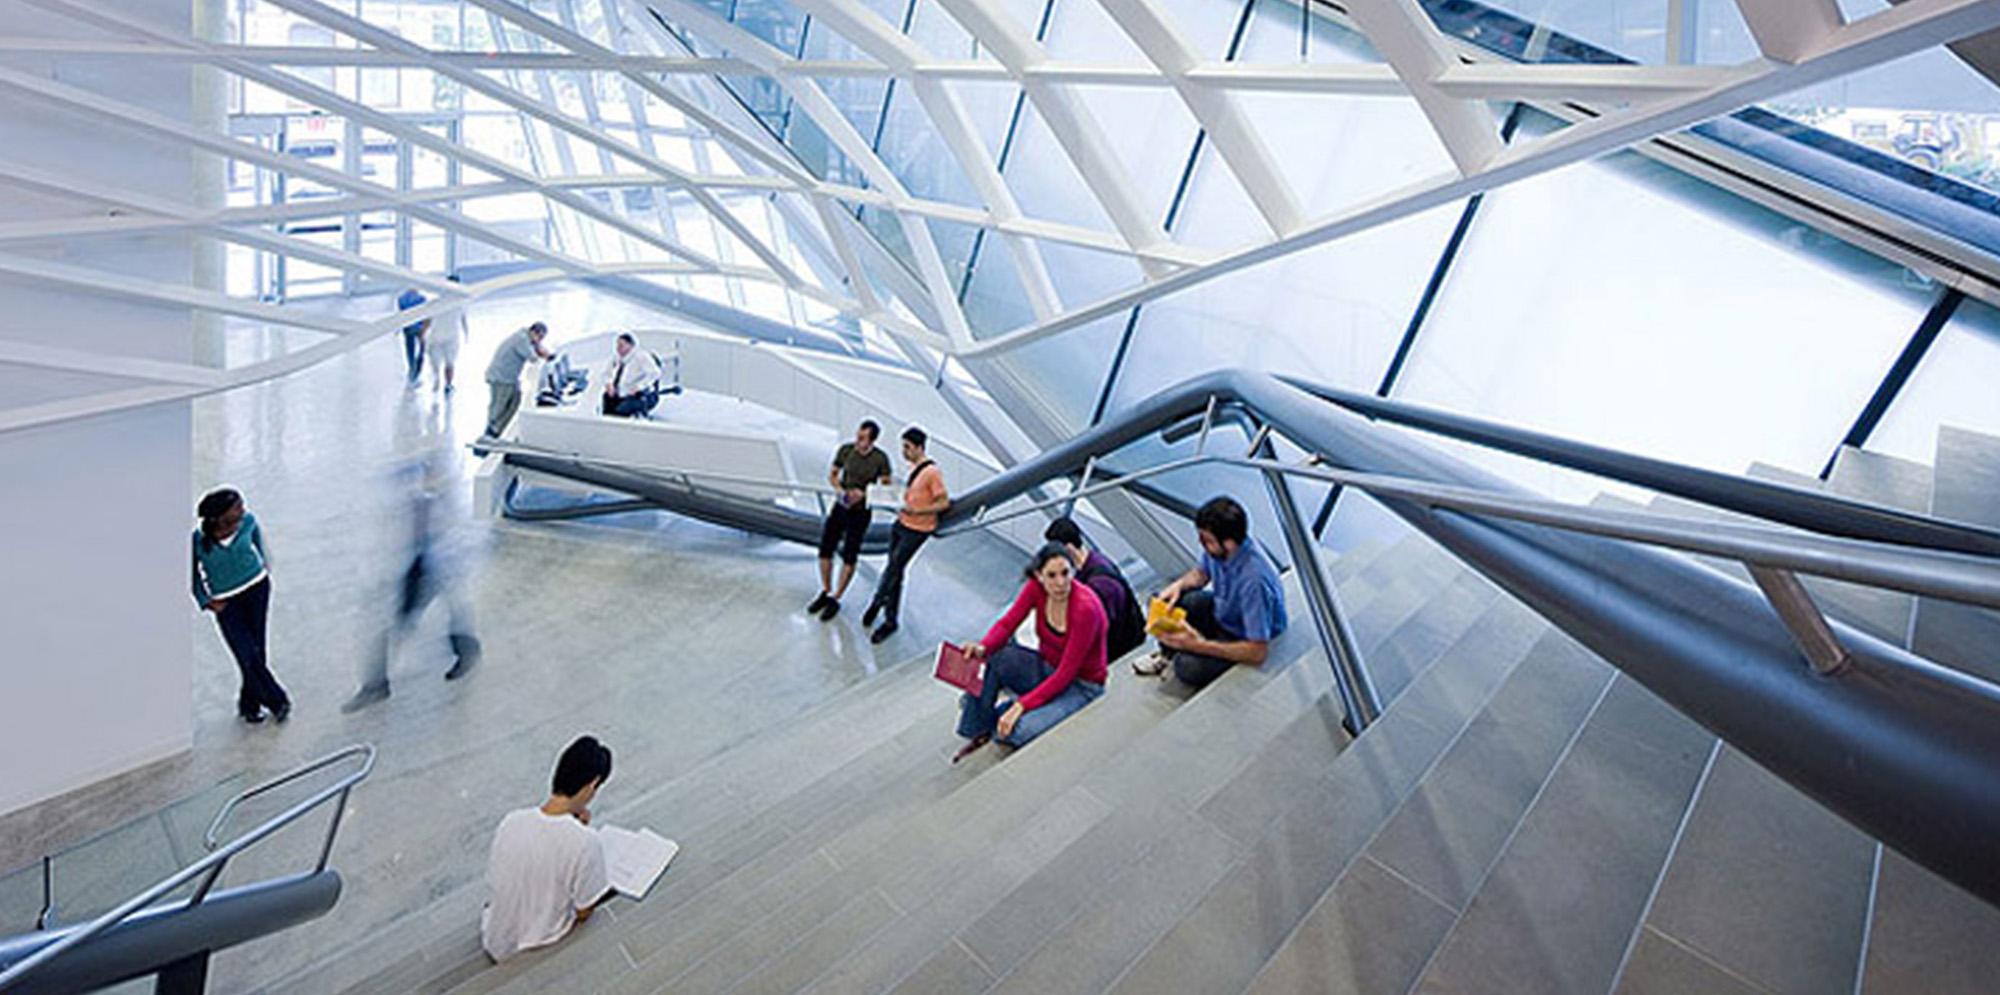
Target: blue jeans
(413, 350)
(1020, 670)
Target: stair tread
(1558, 907)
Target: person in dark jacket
(1125, 623)
(232, 579)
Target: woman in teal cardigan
(232, 579)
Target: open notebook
(635, 859)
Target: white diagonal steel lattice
(1803, 42)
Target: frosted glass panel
(1621, 304)
(1957, 384)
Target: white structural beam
(1075, 129)
(1910, 27)
(808, 99)
(1484, 79)
(153, 292)
(1405, 36)
(1241, 147)
(881, 40)
(1786, 30)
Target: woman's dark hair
(585, 760)
(213, 506)
(1064, 530)
(1224, 519)
(1049, 551)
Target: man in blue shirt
(1235, 605)
(413, 334)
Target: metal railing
(1887, 739)
(210, 867)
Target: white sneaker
(1151, 665)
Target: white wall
(96, 658)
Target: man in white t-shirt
(546, 870)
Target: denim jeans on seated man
(631, 405)
(1016, 668)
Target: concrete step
(1764, 885)
(1311, 824)
(1384, 916)
(1967, 489)
(1895, 483)
(1925, 934)
(1558, 909)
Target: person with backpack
(1052, 682)
(1125, 625)
(924, 499)
(232, 580)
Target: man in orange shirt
(924, 499)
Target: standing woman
(1050, 684)
(231, 580)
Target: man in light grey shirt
(503, 375)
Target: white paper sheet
(634, 860)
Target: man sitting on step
(1242, 609)
(546, 871)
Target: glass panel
(1954, 385)
(1695, 326)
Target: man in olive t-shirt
(856, 465)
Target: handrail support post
(1207, 422)
(1802, 618)
(1358, 698)
(46, 917)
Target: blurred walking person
(232, 579)
(431, 576)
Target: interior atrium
(1508, 493)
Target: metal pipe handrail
(1818, 511)
(212, 864)
(1953, 576)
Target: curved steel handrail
(212, 864)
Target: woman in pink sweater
(1051, 684)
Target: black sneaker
(882, 632)
(818, 604)
(829, 610)
(868, 617)
(466, 649)
(282, 712)
(251, 717)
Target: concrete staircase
(1523, 819)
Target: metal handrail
(212, 864)
(1953, 576)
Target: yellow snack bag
(1162, 617)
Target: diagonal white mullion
(154, 292)
(1405, 36)
(808, 98)
(1912, 26)
(1242, 149)
(881, 40)
(1786, 30)
(146, 120)
(556, 118)
(18, 353)
(1075, 129)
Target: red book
(957, 669)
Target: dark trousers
(846, 526)
(420, 586)
(631, 405)
(903, 545)
(1197, 669)
(244, 621)
(413, 352)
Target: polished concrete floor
(668, 638)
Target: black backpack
(1128, 627)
